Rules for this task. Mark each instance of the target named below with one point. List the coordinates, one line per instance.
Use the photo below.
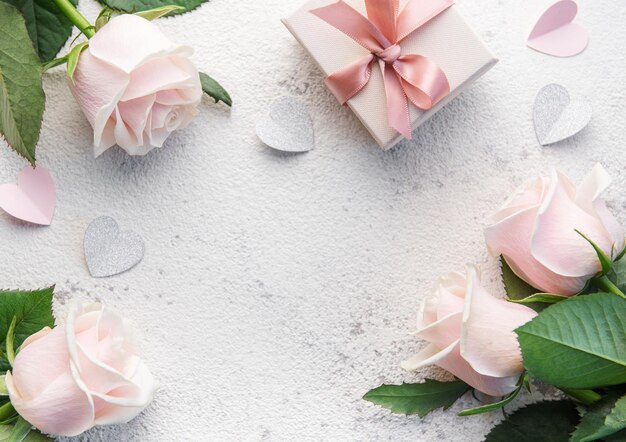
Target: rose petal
(555, 243)
(128, 41)
(162, 74)
(97, 87)
(450, 359)
(488, 342)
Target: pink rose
(470, 334)
(135, 86)
(83, 373)
(535, 231)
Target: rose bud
(135, 86)
(470, 334)
(83, 373)
(535, 231)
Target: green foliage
(604, 418)
(32, 310)
(153, 14)
(548, 421)
(418, 399)
(47, 26)
(21, 94)
(605, 261)
(546, 298)
(72, 58)
(214, 90)
(518, 290)
(132, 6)
(496, 405)
(617, 274)
(577, 343)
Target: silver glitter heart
(109, 251)
(557, 116)
(287, 128)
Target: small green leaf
(33, 436)
(496, 405)
(47, 26)
(21, 94)
(33, 310)
(72, 58)
(103, 17)
(578, 343)
(20, 430)
(214, 90)
(10, 340)
(133, 6)
(55, 62)
(586, 397)
(418, 399)
(602, 419)
(153, 14)
(516, 288)
(546, 298)
(548, 421)
(605, 261)
(618, 274)
(3, 386)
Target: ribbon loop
(407, 78)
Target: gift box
(433, 56)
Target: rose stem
(605, 283)
(75, 17)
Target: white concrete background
(277, 289)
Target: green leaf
(516, 288)
(214, 90)
(605, 261)
(577, 343)
(47, 26)
(33, 310)
(10, 341)
(132, 6)
(496, 405)
(3, 387)
(72, 58)
(153, 14)
(418, 399)
(546, 298)
(21, 95)
(548, 421)
(617, 274)
(33, 436)
(602, 419)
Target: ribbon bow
(407, 77)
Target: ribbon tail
(423, 81)
(398, 116)
(346, 82)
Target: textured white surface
(277, 289)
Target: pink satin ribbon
(410, 77)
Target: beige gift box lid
(447, 39)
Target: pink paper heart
(555, 34)
(32, 199)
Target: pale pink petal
(443, 332)
(488, 342)
(97, 87)
(554, 241)
(128, 41)
(450, 359)
(162, 74)
(135, 114)
(61, 408)
(588, 198)
(32, 338)
(511, 238)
